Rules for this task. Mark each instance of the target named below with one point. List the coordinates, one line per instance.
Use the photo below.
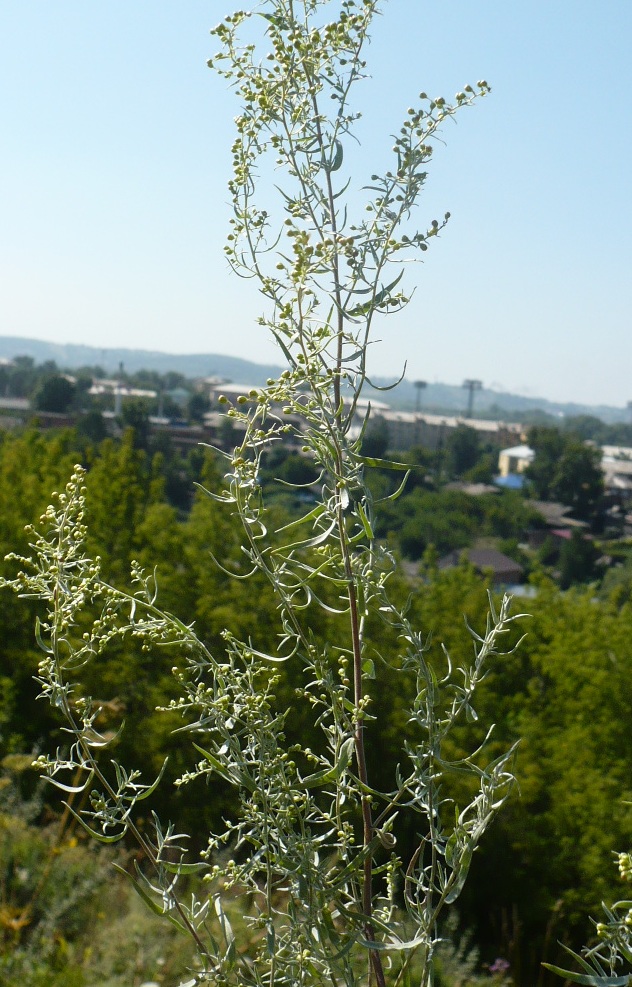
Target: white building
(616, 463)
(515, 460)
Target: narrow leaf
(344, 758)
(40, 640)
(152, 788)
(461, 875)
(286, 353)
(182, 869)
(589, 980)
(319, 539)
(217, 766)
(72, 789)
(149, 901)
(397, 494)
(365, 522)
(383, 464)
(335, 162)
(101, 837)
(376, 300)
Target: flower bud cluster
(624, 862)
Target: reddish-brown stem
(367, 820)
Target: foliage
(20, 377)
(548, 445)
(56, 892)
(484, 470)
(449, 519)
(92, 426)
(578, 558)
(579, 480)
(617, 582)
(566, 692)
(47, 886)
(575, 711)
(295, 823)
(463, 450)
(608, 963)
(594, 429)
(566, 469)
(312, 840)
(55, 393)
(197, 406)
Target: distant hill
(499, 405)
(434, 397)
(70, 356)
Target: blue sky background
(114, 157)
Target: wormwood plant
(312, 843)
(607, 963)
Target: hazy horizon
(159, 360)
(116, 153)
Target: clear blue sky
(114, 157)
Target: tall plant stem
(367, 820)
(337, 292)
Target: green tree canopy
(566, 469)
(463, 450)
(55, 393)
(579, 480)
(548, 444)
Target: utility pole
(471, 386)
(419, 386)
(118, 392)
